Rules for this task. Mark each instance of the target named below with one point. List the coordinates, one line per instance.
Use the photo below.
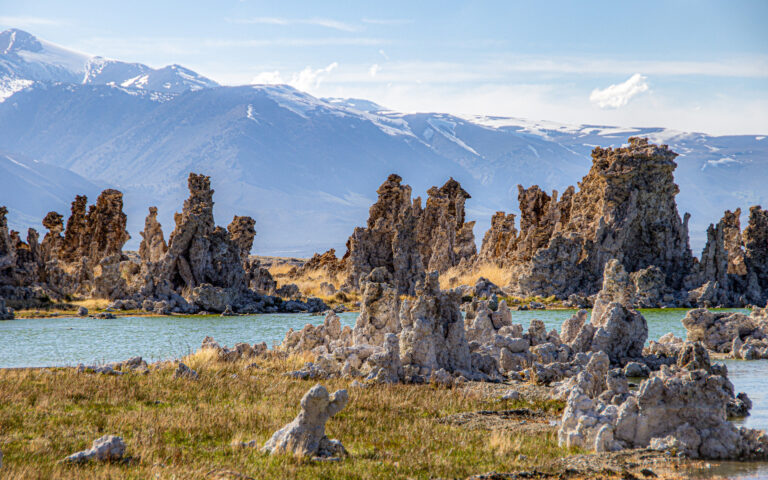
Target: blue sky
(688, 65)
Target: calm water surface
(69, 341)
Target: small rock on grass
(104, 449)
(184, 371)
(511, 395)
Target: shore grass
(185, 429)
(453, 277)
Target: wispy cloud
(388, 21)
(618, 95)
(287, 22)
(26, 22)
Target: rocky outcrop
(5, 312)
(732, 268)
(624, 209)
(305, 435)
(327, 263)
(85, 261)
(242, 232)
(755, 240)
(614, 328)
(443, 237)
(108, 448)
(408, 240)
(258, 277)
(319, 339)
(241, 351)
(389, 239)
(378, 310)
(199, 252)
(676, 409)
(432, 336)
(183, 371)
(153, 246)
(499, 241)
(736, 334)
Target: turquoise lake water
(68, 341)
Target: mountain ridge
(307, 168)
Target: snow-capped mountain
(25, 59)
(307, 168)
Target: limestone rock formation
(241, 351)
(153, 246)
(326, 263)
(408, 240)
(736, 334)
(241, 233)
(319, 339)
(258, 277)
(207, 267)
(378, 310)
(675, 409)
(624, 209)
(199, 252)
(732, 269)
(499, 241)
(614, 328)
(84, 261)
(444, 238)
(432, 336)
(105, 449)
(305, 435)
(755, 238)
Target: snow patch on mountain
(9, 86)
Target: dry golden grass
(280, 269)
(454, 277)
(309, 284)
(92, 303)
(184, 429)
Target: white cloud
(285, 22)
(268, 77)
(306, 80)
(618, 95)
(309, 78)
(374, 69)
(383, 54)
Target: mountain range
(305, 168)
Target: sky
(688, 65)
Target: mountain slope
(30, 189)
(307, 168)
